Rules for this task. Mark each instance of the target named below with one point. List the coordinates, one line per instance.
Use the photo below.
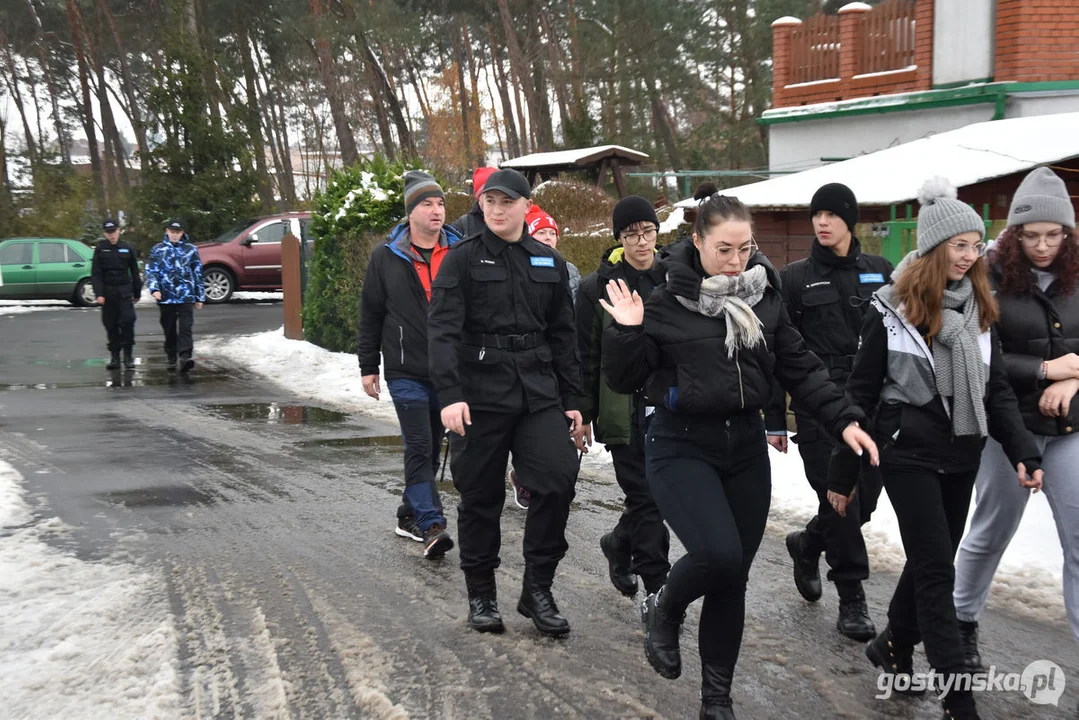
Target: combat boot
(538, 604)
(716, 692)
(661, 636)
(854, 620)
(114, 361)
(806, 567)
(129, 359)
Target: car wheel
(84, 294)
(219, 284)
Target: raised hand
(626, 308)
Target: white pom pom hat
(942, 216)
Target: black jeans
(420, 416)
(712, 482)
(839, 538)
(546, 463)
(177, 320)
(118, 317)
(932, 512)
(640, 528)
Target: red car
(248, 255)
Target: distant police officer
(504, 361)
(827, 295)
(117, 284)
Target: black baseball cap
(174, 224)
(109, 225)
(509, 181)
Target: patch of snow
(965, 156)
(882, 73)
(676, 218)
(812, 83)
(1030, 575)
(570, 157)
(258, 295)
(80, 639)
(10, 307)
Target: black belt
(838, 362)
(512, 343)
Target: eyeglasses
(1033, 239)
(963, 248)
(631, 238)
(723, 252)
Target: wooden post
(619, 181)
(781, 56)
(292, 287)
(601, 177)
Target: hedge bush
(359, 206)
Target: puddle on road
(275, 413)
(388, 441)
(161, 496)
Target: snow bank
(1030, 577)
(78, 639)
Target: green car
(46, 269)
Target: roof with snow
(966, 156)
(580, 158)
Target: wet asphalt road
(271, 521)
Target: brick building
(871, 78)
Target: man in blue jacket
(174, 278)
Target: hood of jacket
(400, 244)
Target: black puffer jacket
(679, 355)
(471, 223)
(1033, 328)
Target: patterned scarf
(733, 298)
(957, 359)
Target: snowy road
(223, 547)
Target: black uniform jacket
(1033, 328)
(501, 333)
(827, 297)
(115, 270)
(680, 358)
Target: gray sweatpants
(1000, 505)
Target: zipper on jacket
(401, 339)
(741, 388)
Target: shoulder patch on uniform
(871, 278)
(542, 262)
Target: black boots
(114, 361)
(661, 637)
(129, 360)
(186, 363)
(968, 635)
(483, 615)
(618, 561)
(716, 692)
(171, 367)
(854, 620)
(806, 567)
(959, 705)
(893, 656)
(538, 604)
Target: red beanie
(479, 177)
(537, 219)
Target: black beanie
(836, 198)
(632, 209)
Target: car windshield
(233, 231)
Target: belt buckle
(517, 342)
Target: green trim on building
(995, 93)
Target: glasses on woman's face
(632, 238)
(725, 252)
(1052, 239)
(965, 248)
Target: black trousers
(712, 482)
(118, 317)
(546, 463)
(640, 529)
(177, 320)
(932, 512)
(839, 538)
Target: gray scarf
(733, 298)
(957, 359)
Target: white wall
(963, 40)
(801, 145)
(1048, 103)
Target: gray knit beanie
(418, 187)
(942, 215)
(1042, 197)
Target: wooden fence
(814, 50)
(886, 37)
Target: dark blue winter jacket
(175, 270)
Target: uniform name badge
(866, 278)
(124, 250)
(543, 262)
